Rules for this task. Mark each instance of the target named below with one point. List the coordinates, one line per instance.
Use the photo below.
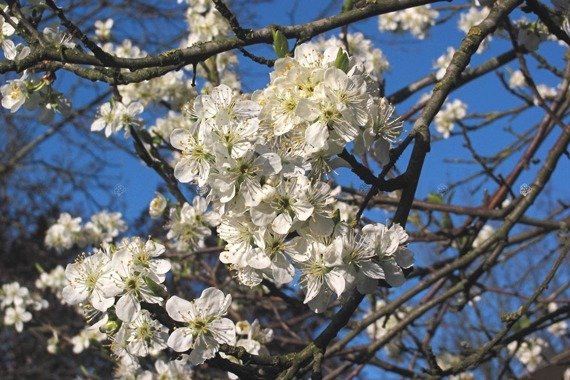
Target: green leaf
(157, 289)
(280, 44)
(341, 61)
(435, 198)
(522, 323)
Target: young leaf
(280, 44)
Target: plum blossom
(113, 117)
(528, 352)
(416, 20)
(157, 206)
(17, 316)
(387, 245)
(260, 162)
(15, 93)
(86, 279)
(103, 29)
(448, 115)
(63, 234)
(205, 327)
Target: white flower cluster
(67, 232)
(35, 94)
(417, 21)
(442, 62)
(473, 17)
(382, 326)
(528, 352)
(88, 334)
(486, 232)
(178, 369)
(103, 29)
(252, 338)
(448, 115)
(559, 329)
(447, 360)
(260, 160)
(11, 50)
(53, 280)
(204, 21)
(120, 278)
(531, 34)
(191, 224)
(362, 50)
(15, 303)
(114, 116)
(546, 92)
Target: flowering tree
(290, 235)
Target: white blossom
(113, 117)
(205, 326)
(516, 79)
(86, 279)
(17, 316)
(63, 234)
(448, 115)
(15, 93)
(528, 352)
(157, 206)
(103, 29)
(416, 20)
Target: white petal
(262, 214)
(247, 108)
(179, 138)
(282, 223)
(372, 270)
(222, 95)
(303, 209)
(74, 295)
(394, 275)
(210, 302)
(321, 225)
(316, 135)
(335, 280)
(180, 340)
(127, 307)
(185, 169)
(307, 110)
(101, 303)
(313, 287)
(257, 259)
(224, 330)
(178, 309)
(404, 258)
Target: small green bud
(39, 268)
(110, 327)
(341, 61)
(280, 44)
